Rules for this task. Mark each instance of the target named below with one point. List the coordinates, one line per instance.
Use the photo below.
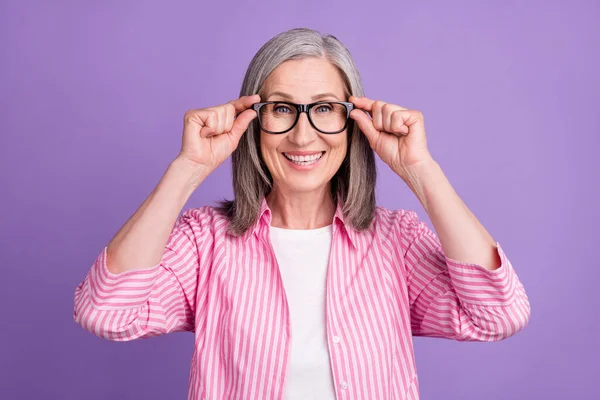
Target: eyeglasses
(279, 117)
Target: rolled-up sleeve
(457, 300)
(147, 302)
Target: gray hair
(353, 184)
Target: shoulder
(397, 222)
(203, 219)
(387, 216)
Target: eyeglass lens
(279, 117)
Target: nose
(303, 133)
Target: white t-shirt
(303, 256)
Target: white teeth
(304, 160)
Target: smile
(304, 160)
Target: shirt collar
(264, 219)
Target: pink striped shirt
(384, 286)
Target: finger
(244, 102)
(241, 123)
(398, 122)
(376, 112)
(386, 117)
(222, 119)
(210, 125)
(365, 124)
(229, 117)
(362, 102)
(393, 118)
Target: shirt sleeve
(142, 303)
(457, 300)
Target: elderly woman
(301, 287)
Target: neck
(309, 210)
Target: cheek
(268, 149)
(339, 146)
(267, 145)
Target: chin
(304, 186)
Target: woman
(301, 288)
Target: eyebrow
(315, 97)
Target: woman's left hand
(395, 133)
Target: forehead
(304, 78)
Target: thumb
(241, 123)
(365, 124)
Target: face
(290, 156)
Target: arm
(460, 232)
(141, 241)
(461, 284)
(145, 280)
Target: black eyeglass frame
(303, 108)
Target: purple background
(92, 97)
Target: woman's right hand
(211, 134)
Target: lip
(303, 153)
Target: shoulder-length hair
(353, 184)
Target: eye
(282, 109)
(323, 108)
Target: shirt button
(344, 385)
(336, 339)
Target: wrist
(415, 172)
(188, 173)
(419, 177)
